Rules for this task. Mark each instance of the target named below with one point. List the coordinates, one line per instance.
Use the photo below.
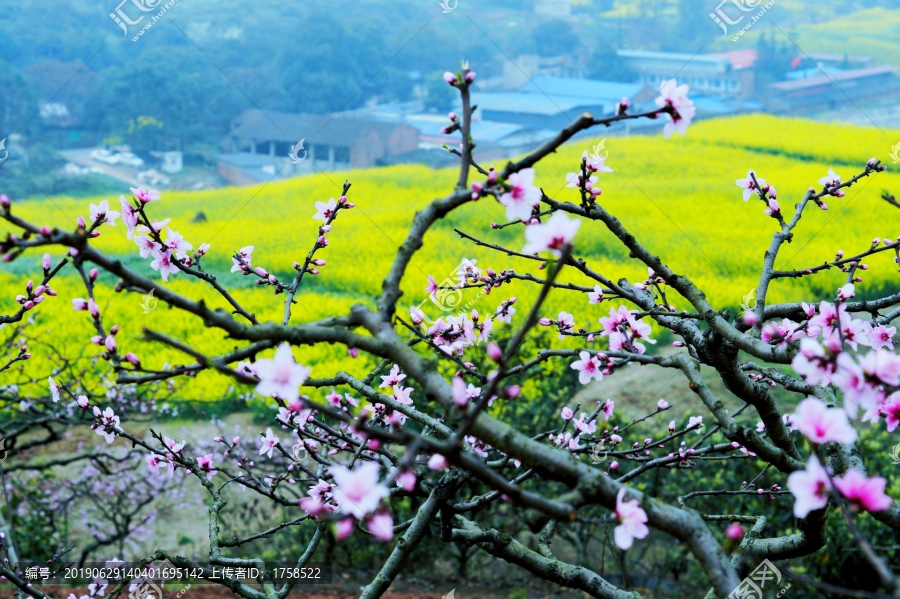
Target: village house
(258, 147)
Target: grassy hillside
(872, 32)
(677, 196)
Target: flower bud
(93, 274)
(133, 359)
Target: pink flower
(79, 303)
(883, 365)
(588, 367)
(334, 398)
(812, 363)
(164, 264)
(146, 246)
(608, 409)
(108, 424)
(92, 308)
(129, 216)
(891, 411)
(246, 255)
(381, 525)
(695, 420)
(393, 378)
(54, 389)
(281, 376)
(734, 531)
(820, 424)
(172, 445)
(344, 528)
(205, 464)
(358, 492)
(575, 180)
(863, 493)
(662, 404)
(325, 210)
(82, 401)
(110, 343)
(523, 196)
(828, 318)
(407, 480)
(846, 292)
(881, 336)
(595, 162)
(437, 462)
(144, 195)
(567, 413)
(450, 78)
(809, 487)
(460, 397)
(582, 426)
(153, 463)
(596, 296)
(557, 232)
(747, 184)
(176, 242)
(774, 209)
(633, 521)
(268, 444)
(831, 179)
(101, 211)
(674, 95)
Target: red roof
(739, 59)
(819, 80)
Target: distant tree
(167, 95)
(553, 38)
(438, 95)
(773, 61)
(19, 105)
(605, 64)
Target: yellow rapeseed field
(677, 196)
